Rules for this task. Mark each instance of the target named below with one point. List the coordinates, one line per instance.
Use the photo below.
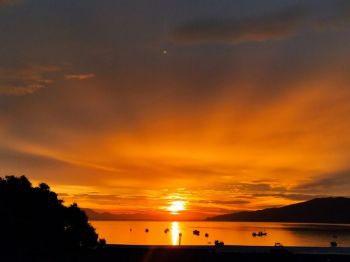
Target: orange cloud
(79, 76)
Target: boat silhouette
(196, 232)
(259, 234)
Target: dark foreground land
(192, 253)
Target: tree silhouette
(34, 219)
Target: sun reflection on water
(175, 233)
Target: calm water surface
(231, 233)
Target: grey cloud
(262, 28)
(330, 182)
(273, 26)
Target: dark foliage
(33, 219)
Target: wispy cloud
(79, 76)
(12, 90)
(25, 80)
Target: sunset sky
(144, 107)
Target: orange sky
(245, 116)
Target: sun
(176, 206)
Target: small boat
(219, 243)
(280, 249)
(196, 232)
(259, 234)
(146, 230)
(333, 244)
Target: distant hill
(105, 216)
(93, 215)
(319, 210)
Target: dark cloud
(266, 190)
(227, 202)
(332, 183)
(273, 26)
(289, 196)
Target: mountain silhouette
(318, 210)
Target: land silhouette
(318, 210)
(37, 226)
(34, 221)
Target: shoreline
(237, 249)
(160, 253)
(221, 253)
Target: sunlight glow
(176, 206)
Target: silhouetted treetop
(33, 218)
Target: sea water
(231, 233)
